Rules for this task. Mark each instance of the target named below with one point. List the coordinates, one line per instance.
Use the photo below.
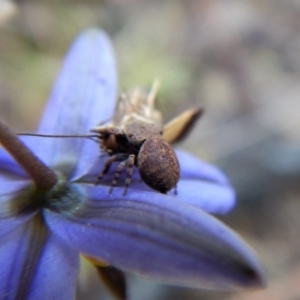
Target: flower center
(64, 196)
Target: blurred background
(239, 59)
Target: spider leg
(107, 164)
(130, 164)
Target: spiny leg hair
(128, 162)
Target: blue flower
(45, 224)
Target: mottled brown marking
(135, 136)
(158, 165)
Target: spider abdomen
(158, 165)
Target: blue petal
(192, 167)
(83, 96)
(211, 197)
(36, 265)
(13, 196)
(57, 272)
(158, 236)
(9, 169)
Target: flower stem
(42, 175)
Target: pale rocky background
(240, 59)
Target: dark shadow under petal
(161, 237)
(114, 280)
